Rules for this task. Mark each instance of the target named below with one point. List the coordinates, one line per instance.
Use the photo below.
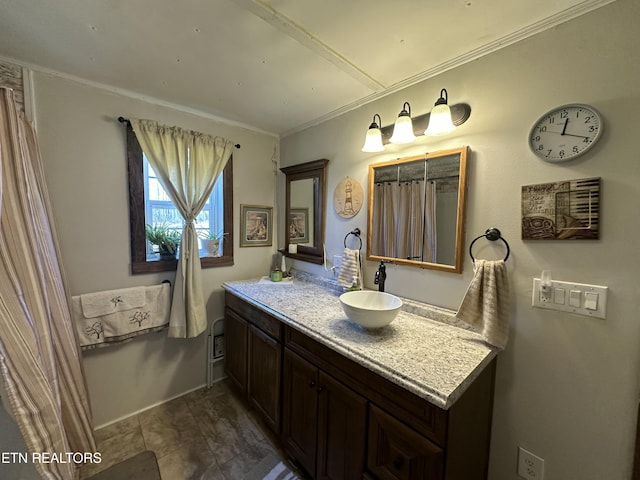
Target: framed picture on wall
(256, 226)
(299, 225)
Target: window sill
(171, 265)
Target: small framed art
(299, 225)
(256, 226)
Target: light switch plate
(574, 300)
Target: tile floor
(209, 434)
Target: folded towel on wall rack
(111, 301)
(350, 268)
(115, 316)
(485, 306)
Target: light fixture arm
(444, 98)
(374, 124)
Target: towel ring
(492, 234)
(356, 233)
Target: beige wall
(83, 148)
(567, 386)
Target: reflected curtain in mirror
(404, 219)
(417, 210)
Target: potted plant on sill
(210, 242)
(165, 239)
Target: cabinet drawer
(425, 417)
(397, 452)
(265, 322)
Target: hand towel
(111, 301)
(350, 267)
(123, 323)
(486, 303)
(151, 316)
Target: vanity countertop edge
(431, 358)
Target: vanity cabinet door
(299, 410)
(265, 362)
(397, 452)
(342, 431)
(235, 349)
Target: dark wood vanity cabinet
(398, 452)
(264, 374)
(340, 420)
(253, 357)
(235, 357)
(324, 421)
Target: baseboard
(124, 417)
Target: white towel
(120, 325)
(111, 301)
(486, 303)
(350, 268)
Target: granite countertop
(422, 350)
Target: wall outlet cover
(530, 466)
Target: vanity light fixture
(440, 116)
(403, 129)
(440, 120)
(373, 139)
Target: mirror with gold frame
(417, 210)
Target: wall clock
(566, 132)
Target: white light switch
(591, 301)
(574, 298)
(578, 298)
(559, 295)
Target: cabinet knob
(312, 383)
(320, 388)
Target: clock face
(565, 132)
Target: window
(149, 204)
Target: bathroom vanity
(412, 400)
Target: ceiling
(272, 65)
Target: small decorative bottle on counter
(276, 275)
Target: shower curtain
(39, 355)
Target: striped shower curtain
(39, 356)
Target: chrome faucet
(381, 276)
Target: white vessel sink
(370, 308)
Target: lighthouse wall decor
(347, 197)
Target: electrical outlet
(530, 466)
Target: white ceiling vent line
(308, 40)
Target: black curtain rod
(126, 120)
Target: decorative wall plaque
(347, 197)
(561, 210)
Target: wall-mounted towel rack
(355, 232)
(492, 234)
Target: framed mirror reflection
(304, 210)
(417, 210)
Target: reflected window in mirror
(416, 210)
